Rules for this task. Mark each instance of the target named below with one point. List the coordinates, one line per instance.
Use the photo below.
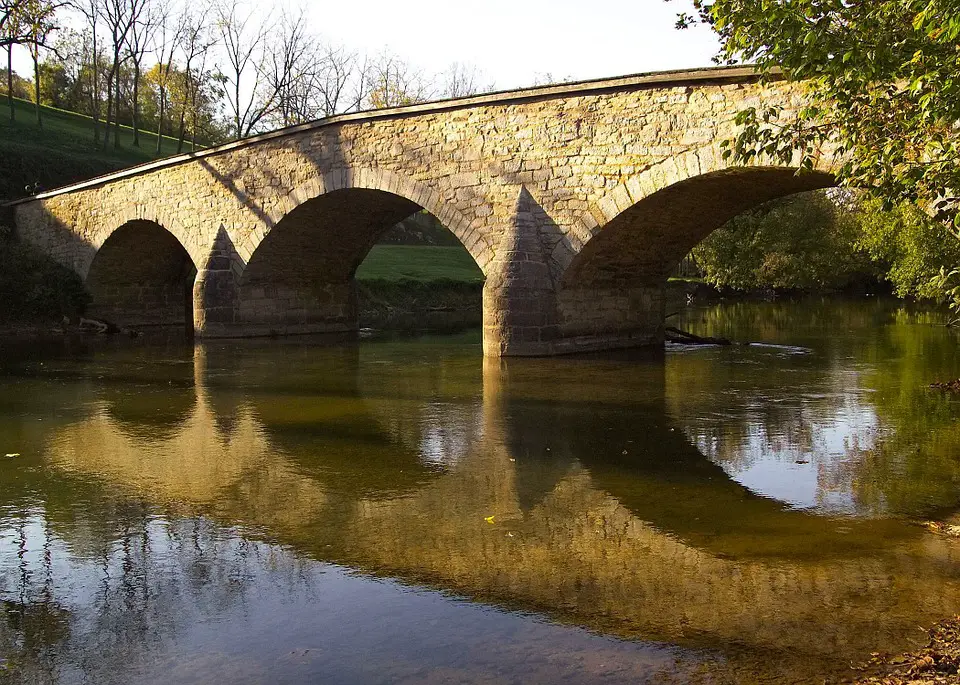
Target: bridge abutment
(215, 292)
(289, 309)
(610, 318)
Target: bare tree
(119, 20)
(249, 96)
(39, 21)
(144, 23)
(90, 10)
(392, 82)
(166, 39)
(11, 33)
(195, 39)
(338, 67)
(463, 80)
(313, 79)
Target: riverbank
(937, 663)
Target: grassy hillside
(419, 287)
(72, 132)
(419, 263)
(62, 151)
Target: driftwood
(101, 327)
(677, 336)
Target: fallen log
(675, 335)
(101, 327)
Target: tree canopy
(884, 84)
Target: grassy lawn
(72, 132)
(419, 263)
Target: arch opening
(644, 244)
(612, 294)
(142, 277)
(303, 277)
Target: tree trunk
(95, 92)
(116, 104)
(183, 127)
(109, 113)
(237, 95)
(160, 119)
(13, 110)
(35, 53)
(136, 104)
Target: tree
(119, 20)
(339, 68)
(463, 80)
(388, 81)
(90, 9)
(38, 19)
(145, 22)
(883, 79)
(808, 241)
(291, 73)
(11, 34)
(165, 44)
(911, 249)
(195, 41)
(243, 39)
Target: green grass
(419, 263)
(71, 132)
(62, 151)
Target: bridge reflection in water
(564, 489)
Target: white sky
(512, 42)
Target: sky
(512, 43)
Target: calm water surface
(402, 511)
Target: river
(403, 511)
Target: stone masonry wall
(584, 154)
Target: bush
(803, 242)
(911, 248)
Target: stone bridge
(576, 202)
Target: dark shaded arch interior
(301, 277)
(142, 276)
(642, 245)
(325, 239)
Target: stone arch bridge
(576, 201)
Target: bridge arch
(299, 276)
(420, 194)
(142, 275)
(642, 228)
(611, 290)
